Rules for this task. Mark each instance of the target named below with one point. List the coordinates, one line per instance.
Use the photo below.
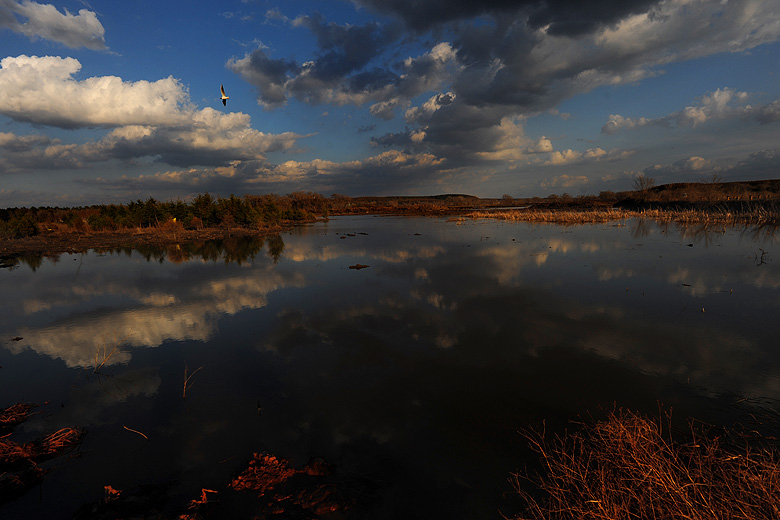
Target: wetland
(372, 366)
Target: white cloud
(693, 165)
(253, 175)
(675, 30)
(42, 91)
(511, 144)
(45, 21)
(722, 104)
(565, 181)
(148, 119)
(570, 156)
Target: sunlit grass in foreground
(629, 466)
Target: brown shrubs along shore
(628, 466)
(51, 230)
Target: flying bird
(224, 97)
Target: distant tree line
(258, 211)
(204, 211)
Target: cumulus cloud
(757, 165)
(44, 21)
(722, 104)
(507, 61)
(693, 166)
(570, 156)
(341, 73)
(21, 152)
(385, 172)
(558, 16)
(146, 119)
(565, 181)
(43, 91)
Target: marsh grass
(757, 216)
(552, 216)
(629, 466)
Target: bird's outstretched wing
(224, 97)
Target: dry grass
(558, 216)
(758, 216)
(628, 466)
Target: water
(411, 376)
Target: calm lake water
(411, 376)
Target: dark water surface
(412, 376)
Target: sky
(109, 102)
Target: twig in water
(106, 355)
(136, 431)
(187, 380)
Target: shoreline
(58, 242)
(53, 244)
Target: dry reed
(628, 466)
(757, 216)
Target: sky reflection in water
(415, 373)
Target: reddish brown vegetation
(19, 462)
(287, 490)
(14, 415)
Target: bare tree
(643, 183)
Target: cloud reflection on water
(451, 340)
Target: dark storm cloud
(490, 65)
(28, 152)
(352, 65)
(763, 164)
(340, 67)
(769, 113)
(564, 17)
(267, 74)
(346, 48)
(447, 128)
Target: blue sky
(114, 101)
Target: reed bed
(758, 216)
(628, 466)
(558, 216)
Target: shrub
(101, 222)
(18, 227)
